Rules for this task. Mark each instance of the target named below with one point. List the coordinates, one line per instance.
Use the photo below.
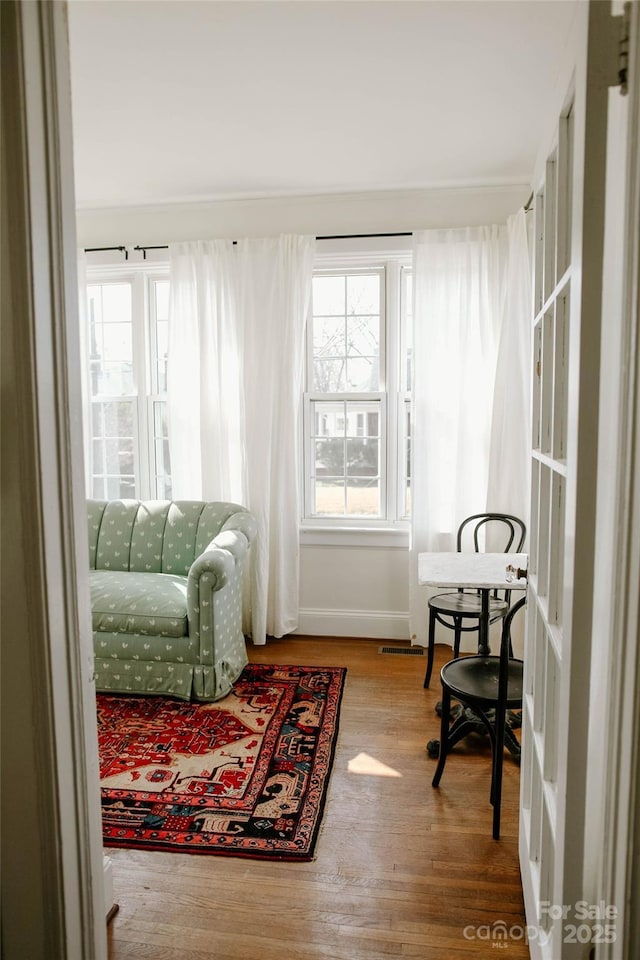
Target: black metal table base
(466, 721)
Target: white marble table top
(475, 570)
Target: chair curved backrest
(512, 529)
(506, 652)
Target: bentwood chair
(461, 610)
(488, 687)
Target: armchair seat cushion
(144, 603)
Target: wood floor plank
(401, 870)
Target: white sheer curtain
(459, 295)
(236, 355)
(509, 477)
(84, 373)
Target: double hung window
(127, 333)
(357, 403)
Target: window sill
(389, 537)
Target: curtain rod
(102, 249)
(332, 236)
(335, 236)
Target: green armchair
(166, 595)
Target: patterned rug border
(316, 793)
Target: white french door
(568, 244)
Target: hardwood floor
(401, 870)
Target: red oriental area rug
(245, 776)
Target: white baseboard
(375, 624)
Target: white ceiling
(176, 100)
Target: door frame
(619, 883)
(53, 886)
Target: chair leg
(431, 650)
(457, 635)
(444, 736)
(498, 761)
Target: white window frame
(391, 529)
(404, 395)
(140, 276)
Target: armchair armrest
(220, 565)
(242, 521)
(216, 564)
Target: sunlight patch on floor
(369, 766)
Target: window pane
(363, 336)
(329, 376)
(363, 419)
(120, 488)
(161, 289)
(329, 296)
(407, 459)
(160, 333)
(407, 319)
(98, 455)
(113, 379)
(162, 458)
(117, 342)
(362, 374)
(363, 498)
(363, 293)
(328, 337)
(329, 458)
(163, 488)
(160, 419)
(162, 354)
(116, 302)
(329, 419)
(118, 418)
(346, 348)
(113, 447)
(362, 458)
(329, 498)
(346, 458)
(97, 420)
(111, 339)
(162, 463)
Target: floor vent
(411, 651)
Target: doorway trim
(52, 896)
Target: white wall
(354, 591)
(346, 589)
(348, 213)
